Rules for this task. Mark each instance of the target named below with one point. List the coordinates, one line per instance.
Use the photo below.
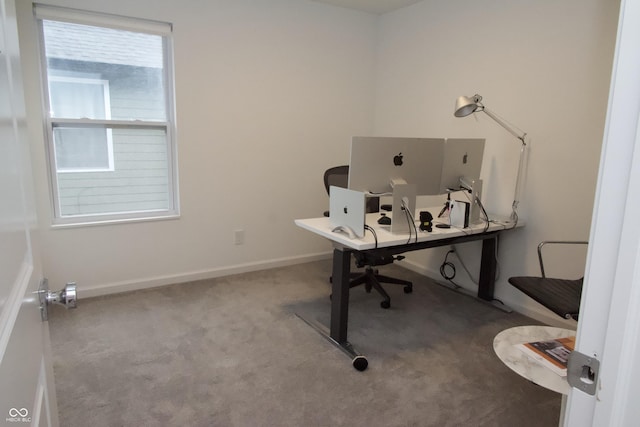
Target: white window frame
(54, 13)
(107, 109)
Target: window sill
(61, 224)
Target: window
(81, 150)
(109, 116)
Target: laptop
(347, 210)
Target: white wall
(268, 96)
(270, 92)
(545, 67)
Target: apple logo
(464, 158)
(345, 210)
(397, 159)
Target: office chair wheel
(408, 289)
(385, 304)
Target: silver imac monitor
(462, 159)
(378, 161)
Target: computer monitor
(376, 162)
(462, 159)
(402, 167)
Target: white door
(27, 394)
(609, 326)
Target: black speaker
(426, 221)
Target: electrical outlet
(239, 237)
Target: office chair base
(372, 280)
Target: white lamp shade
(464, 106)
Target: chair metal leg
(386, 302)
(371, 280)
(408, 286)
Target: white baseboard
(153, 282)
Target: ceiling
(377, 7)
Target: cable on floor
(451, 274)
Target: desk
(393, 244)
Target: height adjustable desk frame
(344, 247)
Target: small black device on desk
(426, 221)
(384, 220)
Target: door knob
(65, 297)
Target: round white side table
(504, 346)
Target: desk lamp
(466, 105)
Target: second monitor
(462, 163)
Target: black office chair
(562, 296)
(339, 177)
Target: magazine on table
(553, 353)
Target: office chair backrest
(338, 176)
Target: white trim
(40, 401)
(615, 405)
(107, 118)
(605, 317)
(116, 124)
(76, 16)
(153, 282)
(13, 303)
(95, 220)
(168, 125)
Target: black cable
(443, 272)
(410, 221)
(375, 236)
(484, 212)
(412, 224)
(406, 216)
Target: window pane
(132, 64)
(139, 182)
(81, 148)
(78, 98)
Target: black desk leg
(340, 308)
(488, 267)
(340, 295)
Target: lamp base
(504, 220)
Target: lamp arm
(519, 183)
(521, 162)
(503, 124)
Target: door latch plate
(582, 372)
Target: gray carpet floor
(232, 352)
